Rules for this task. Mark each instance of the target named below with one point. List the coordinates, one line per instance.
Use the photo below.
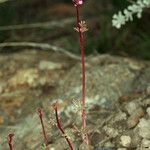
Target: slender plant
(10, 140)
(80, 28)
(58, 124)
(40, 114)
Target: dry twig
(3, 1)
(44, 46)
(48, 24)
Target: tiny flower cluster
(136, 8)
(82, 27)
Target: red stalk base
(40, 114)
(9, 140)
(60, 127)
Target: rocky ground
(117, 99)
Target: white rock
(48, 65)
(144, 128)
(146, 143)
(26, 76)
(1, 88)
(131, 107)
(125, 140)
(111, 131)
(148, 89)
(148, 111)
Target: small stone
(48, 65)
(23, 77)
(85, 147)
(121, 149)
(148, 89)
(111, 131)
(125, 140)
(135, 117)
(1, 89)
(131, 107)
(148, 111)
(52, 148)
(1, 119)
(144, 128)
(145, 143)
(104, 148)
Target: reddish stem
(9, 140)
(85, 136)
(60, 127)
(40, 114)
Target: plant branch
(3, 1)
(40, 114)
(44, 46)
(9, 140)
(49, 25)
(60, 127)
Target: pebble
(48, 65)
(121, 149)
(131, 107)
(125, 140)
(144, 128)
(135, 117)
(148, 89)
(26, 76)
(104, 149)
(148, 111)
(145, 143)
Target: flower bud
(78, 2)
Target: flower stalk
(40, 114)
(81, 27)
(58, 124)
(10, 140)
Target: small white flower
(128, 15)
(134, 9)
(146, 2)
(118, 20)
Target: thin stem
(40, 114)
(9, 140)
(60, 127)
(85, 136)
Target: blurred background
(52, 21)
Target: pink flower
(78, 2)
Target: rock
(30, 124)
(148, 111)
(134, 118)
(24, 77)
(121, 149)
(144, 128)
(85, 147)
(1, 119)
(131, 107)
(148, 89)
(111, 132)
(104, 149)
(48, 65)
(125, 140)
(109, 78)
(1, 88)
(146, 143)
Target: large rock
(107, 79)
